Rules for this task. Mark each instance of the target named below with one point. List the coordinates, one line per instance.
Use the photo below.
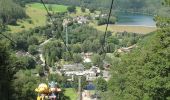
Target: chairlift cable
(108, 20)
(8, 38)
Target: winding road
(40, 51)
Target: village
(72, 70)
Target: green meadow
(37, 16)
(55, 7)
(71, 93)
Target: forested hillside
(10, 12)
(143, 74)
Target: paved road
(40, 51)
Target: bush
(103, 21)
(21, 44)
(83, 9)
(71, 9)
(87, 65)
(22, 26)
(30, 21)
(92, 10)
(33, 49)
(13, 22)
(33, 40)
(27, 62)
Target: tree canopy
(10, 11)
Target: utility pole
(79, 88)
(66, 37)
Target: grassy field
(37, 16)
(118, 28)
(70, 92)
(55, 7)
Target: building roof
(73, 67)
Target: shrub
(22, 26)
(30, 21)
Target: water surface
(135, 20)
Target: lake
(135, 20)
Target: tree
(33, 49)
(104, 20)
(92, 10)
(100, 84)
(52, 52)
(5, 78)
(22, 44)
(29, 62)
(76, 48)
(137, 4)
(110, 48)
(10, 12)
(33, 41)
(71, 9)
(83, 9)
(57, 78)
(167, 2)
(8, 67)
(143, 73)
(87, 65)
(97, 60)
(95, 46)
(50, 7)
(86, 46)
(113, 39)
(40, 70)
(77, 58)
(24, 84)
(66, 56)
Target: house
(103, 15)
(73, 67)
(90, 74)
(95, 69)
(87, 60)
(126, 49)
(66, 22)
(97, 16)
(87, 57)
(80, 19)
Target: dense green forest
(143, 74)
(10, 12)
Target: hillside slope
(143, 74)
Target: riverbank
(128, 28)
(136, 25)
